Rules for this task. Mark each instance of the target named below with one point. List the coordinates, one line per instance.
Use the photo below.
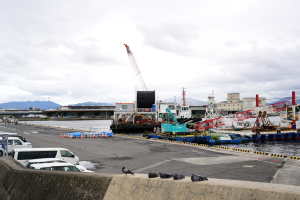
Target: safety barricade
(294, 157)
(262, 153)
(277, 155)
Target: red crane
(136, 68)
(213, 123)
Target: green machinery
(172, 127)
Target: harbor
(108, 155)
(282, 147)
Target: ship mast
(212, 108)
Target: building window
(124, 106)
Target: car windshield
(26, 164)
(58, 168)
(72, 168)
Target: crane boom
(136, 68)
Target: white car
(56, 166)
(14, 143)
(28, 163)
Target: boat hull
(202, 139)
(133, 128)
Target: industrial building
(235, 104)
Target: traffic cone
(71, 136)
(61, 135)
(81, 136)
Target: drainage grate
(249, 166)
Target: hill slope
(189, 100)
(43, 105)
(92, 104)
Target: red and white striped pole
(294, 107)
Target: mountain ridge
(44, 105)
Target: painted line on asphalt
(198, 152)
(150, 166)
(278, 171)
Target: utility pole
(48, 103)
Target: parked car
(56, 166)
(14, 143)
(28, 163)
(21, 155)
(13, 135)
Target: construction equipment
(217, 122)
(172, 127)
(136, 68)
(262, 123)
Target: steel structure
(216, 122)
(136, 68)
(169, 116)
(212, 111)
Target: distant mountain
(92, 104)
(280, 100)
(189, 100)
(43, 105)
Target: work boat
(236, 126)
(210, 139)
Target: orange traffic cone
(71, 136)
(61, 135)
(81, 136)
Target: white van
(21, 155)
(14, 143)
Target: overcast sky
(72, 51)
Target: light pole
(48, 103)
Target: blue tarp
(75, 134)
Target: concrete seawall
(17, 182)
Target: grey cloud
(90, 54)
(231, 43)
(14, 60)
(171, 37)
(48, 44)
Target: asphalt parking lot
(109, 155)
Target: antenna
(183, 97)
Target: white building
(233, 103)
(249, 103)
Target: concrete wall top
(141, 187)
(17, 182)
